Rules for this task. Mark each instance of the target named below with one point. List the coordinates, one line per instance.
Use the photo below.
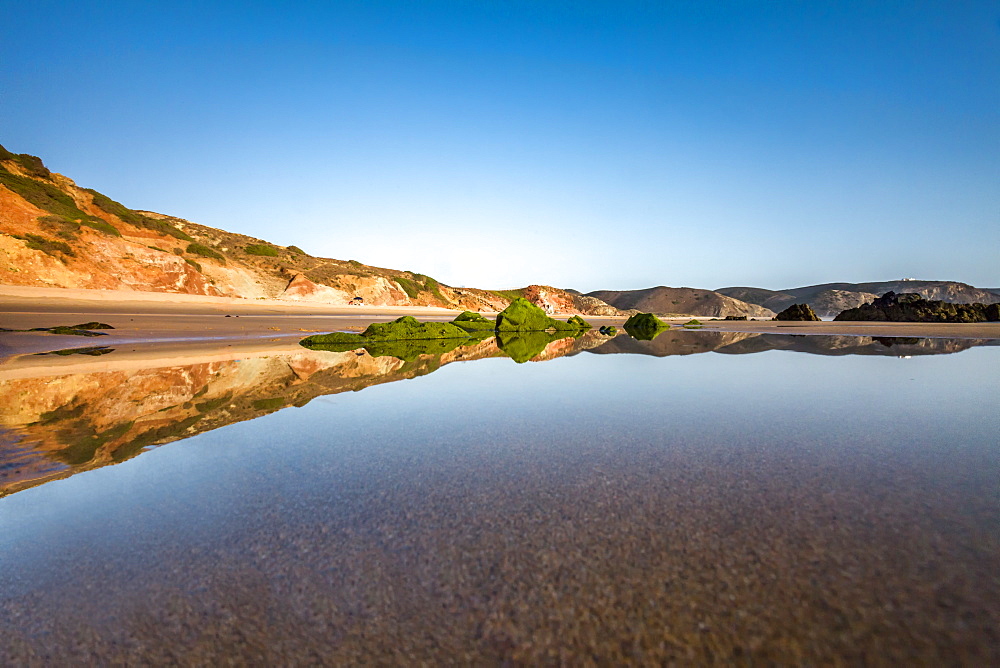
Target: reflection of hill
(59, 422)
(61, 418)
(739, 343)
(57, 425)
(854, 345)
(671, 342)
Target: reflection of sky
(495, 415)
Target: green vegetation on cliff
(644, 326)
(205, 251)
(419, 283)
(105, 203)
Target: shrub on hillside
(261, 249)
(205, 251)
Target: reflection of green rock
(522, 346)
(474, 322)
(608, 330)
(409, 351)
(644, 326)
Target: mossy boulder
(474, 322)
(644, 326)
(523, 316)
(409, 328)
(405, 338)
(909, 307)
(608, 330)
(800, 312)
(406, 328)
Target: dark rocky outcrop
(909, 307)
(801, 312)
(829, 299)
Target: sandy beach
(164, 317)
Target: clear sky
(495, 143)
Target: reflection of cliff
(738, 343)
(672, 342)
(59, 423)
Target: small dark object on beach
(736, 317)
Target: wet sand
(724, 521)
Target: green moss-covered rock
(524, 345)
(523, 316)
(474, 322)
(644, 326)
(608, 330)
(408, 328)
(405, 338)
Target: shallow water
(767, 506)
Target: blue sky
(497, 143)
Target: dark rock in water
(801, 312)
(644, 326)
(909, 307)
(736, 317)
(608, 330)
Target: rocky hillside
(54, 233)
(829, 299)
(681, 301)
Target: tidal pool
(654, 505)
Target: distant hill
(829, 299)
(54, 233)
(682, 301)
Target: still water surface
(773, 506)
